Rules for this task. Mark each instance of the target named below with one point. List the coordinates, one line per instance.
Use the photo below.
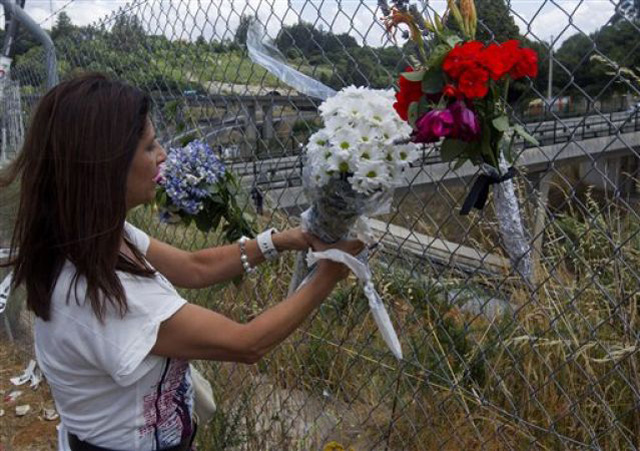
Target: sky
(187, 19)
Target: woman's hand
(291, 240)
(335, 271)
(296, 240)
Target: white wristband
(265, 243)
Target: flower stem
(506, 90)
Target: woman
(112, 335)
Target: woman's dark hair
(72, 172)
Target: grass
(221, 67)
(558, 371)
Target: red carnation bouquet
(456, 92)
(457, 89)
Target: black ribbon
(477, 197)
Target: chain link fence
(489, 361)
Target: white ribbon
(363, 273)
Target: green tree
(63, 27)
(495, 22)
(240, 36)
(338, 42)
(575, 72)
(302, 36)
(128, 33)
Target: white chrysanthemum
(380, 100)
(405, 154)
(388, 131)
(356, 92)
(320, 175)
(358, 139)
(368, 152)
(345, 138)
(370, 176)
(320, 138)
(341, 160)
(366, 133)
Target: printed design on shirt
(169, 415)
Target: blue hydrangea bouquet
(195, 186)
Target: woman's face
(141, 185)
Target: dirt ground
(32, 431)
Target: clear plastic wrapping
(264, 53)
(512, 231)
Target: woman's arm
(195, 332)
(207, 267)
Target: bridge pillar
(609, 174)
(543, 182)
(631, 175)
(267, 123)
(251, 130)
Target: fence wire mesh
(489, 363)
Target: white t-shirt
(108, 389)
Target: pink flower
(433, 125)
(466, 125)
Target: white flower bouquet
(352, 166)
(353, 163)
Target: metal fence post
(41, 35)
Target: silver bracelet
(265, 243)
(244, 259)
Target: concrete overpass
(605, 147)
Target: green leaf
(202, 222)
(452, 149)
(519, 129)
(218, 199)
(412, 113)
(505, 148)
(424, 106)
(215, 220)
(437, 56)
(187, 138)
(452, 40)
(459, 163)
(433, 81)
(487, 151)
(501, 123)
(416, 75)
(161, 197)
